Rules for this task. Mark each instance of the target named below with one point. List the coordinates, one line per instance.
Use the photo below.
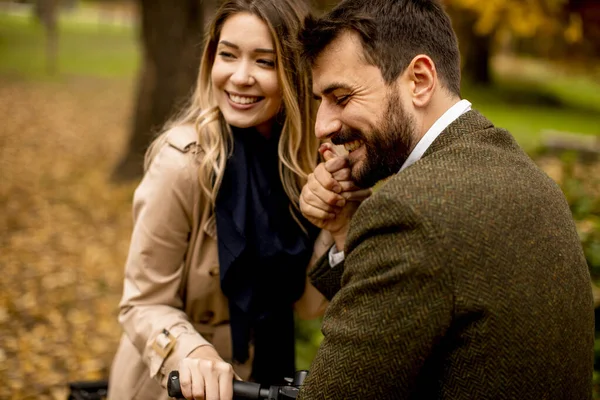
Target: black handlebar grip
(247, 390)
(173, 387)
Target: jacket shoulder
(182, 137)
(175, 143)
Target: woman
(219, 252)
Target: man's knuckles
(342, 174)
(335, 200)
(335, 164)
(322, 183)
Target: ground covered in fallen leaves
(64, 231)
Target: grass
(85, 49)
(532, 96)
(528, 122)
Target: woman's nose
(242, 75)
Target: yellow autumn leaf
(574, 31)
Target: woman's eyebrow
(229, 44)
(270, 51)
(235, 46)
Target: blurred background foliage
(85, 84)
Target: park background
(85, 84)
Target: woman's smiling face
(244, 74)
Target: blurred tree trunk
(171, 36)
(477, 55)
(47, 13)
(475, 49)
(589, 12)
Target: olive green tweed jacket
(464, 278)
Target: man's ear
(423, 76)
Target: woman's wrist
(204, 352)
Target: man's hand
(330, 198)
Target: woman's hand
(204, 375)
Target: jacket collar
(469, 122)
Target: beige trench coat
(172, 276)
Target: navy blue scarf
(263, 255)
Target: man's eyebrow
(331, 88)
(335, 86)
(235, 46)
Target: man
(462, 276)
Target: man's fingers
(327, 150)
(312, 200)
(324, 179)
(334, 160)
(329, 155)
(314, 213)
(314, 188)
(336, 164)
(357, 195)
(343, 174)
(348, 186)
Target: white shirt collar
(436, 129)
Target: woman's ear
(423, 75)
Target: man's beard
(387, 146)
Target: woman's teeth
(351, 146)
(243, 99)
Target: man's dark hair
(392, 33)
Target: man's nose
(327, 122)
(242, 76)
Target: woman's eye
(225, 54)
(268, 63)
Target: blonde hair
(297, 144)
